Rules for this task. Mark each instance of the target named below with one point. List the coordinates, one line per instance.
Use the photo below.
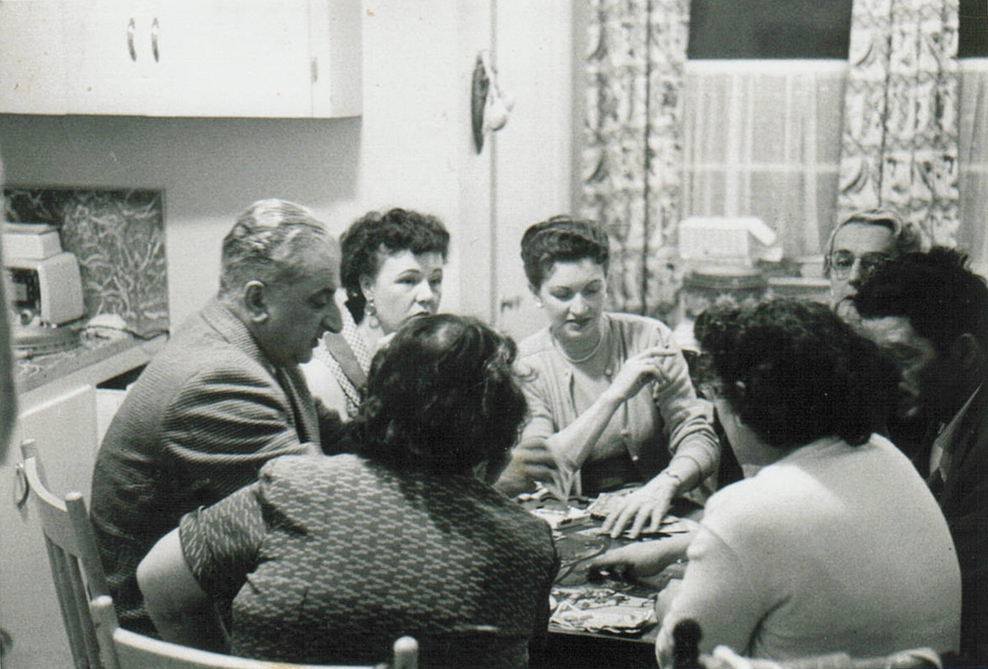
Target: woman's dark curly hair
(376, 235)
(804, 373)
(441, 396)
(561, 238)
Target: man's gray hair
(262, 244)
(907, 235)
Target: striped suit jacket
(199, 423)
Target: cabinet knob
(131, 27)
(509, 303)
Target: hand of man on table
(644, 558)
(530, 462)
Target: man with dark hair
(223, 397)
(930, 313)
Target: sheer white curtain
(762, 138)
(972, 158)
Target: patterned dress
(332, 559)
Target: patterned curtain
(899, 145)
(633, 154)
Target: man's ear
(968, 352)
(255, 301)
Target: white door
(533, 158)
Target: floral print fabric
(633, 152)
(899, 145)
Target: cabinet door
(230, 58)
(108, 59)
(337, 57)
(32, 76)
(263, 58)
(65, 431)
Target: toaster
(47, 288)
(44, 281)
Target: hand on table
(649, 504)
(530, 462)
(641, 368)
(642, 559)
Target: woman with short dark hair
(610, 395)
(392, 271)
(329, 560)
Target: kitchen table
(598, 621)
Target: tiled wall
(118, 236)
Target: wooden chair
(123, 649)
(70, 542)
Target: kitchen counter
(96, 359)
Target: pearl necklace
(578, 361)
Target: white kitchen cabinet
(212, 58)
(32, 79)
(107, 60)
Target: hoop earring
(371, 311)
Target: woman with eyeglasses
(857, 246)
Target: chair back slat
(406, 653)
(66, 603)
(80, 610)
(72, 555)
(88, 554)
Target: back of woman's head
(561, 238)
(794, 372)
(442, 396)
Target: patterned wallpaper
(118, 236)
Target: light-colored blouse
(660, 421)
(832, 548)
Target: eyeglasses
(842, 262)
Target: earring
(371, 312)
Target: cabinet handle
(21, 488)
(131, 27)
(154, 38)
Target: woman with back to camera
(329, 560)
(609, 393)
(832, 543)
(392, 270)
